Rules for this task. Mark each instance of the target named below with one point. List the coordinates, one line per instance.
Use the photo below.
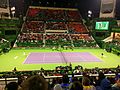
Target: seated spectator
(76, 86)
(65, 82)
(56, 84)
(57, 87)
(103, 83)
(87, 84)
(12, 86)
(116, 86)
(34, 83)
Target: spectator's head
(57, 87)
(117, 76)
(85, 74)
(118, 80)
(101, 75)
(12, 86)
(34, 83)
(74, 79)
(76, 86)
(86, 81)
(65, 79)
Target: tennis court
(34, 59)
(60, 57)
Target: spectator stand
(33, 27)
(30, 40)
(52, 21)
(53, 75)
(83, 40)
(73, 15)
(76, 28)
(57, 40)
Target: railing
(5, 81)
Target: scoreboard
(102, 25)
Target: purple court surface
(60, 57)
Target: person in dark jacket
(116, 86)
(103, 83)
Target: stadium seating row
(53, 14)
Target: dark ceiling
(82, 5)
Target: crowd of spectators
(57, 39)
(65, 78)
(83, 40)
(33, 27)
(29, 39)
(79, 40)
(62, 23)
(76, 28)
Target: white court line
(44, 58)
(24, 53)
(26, 58)
(15, 57)
(104, 56)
